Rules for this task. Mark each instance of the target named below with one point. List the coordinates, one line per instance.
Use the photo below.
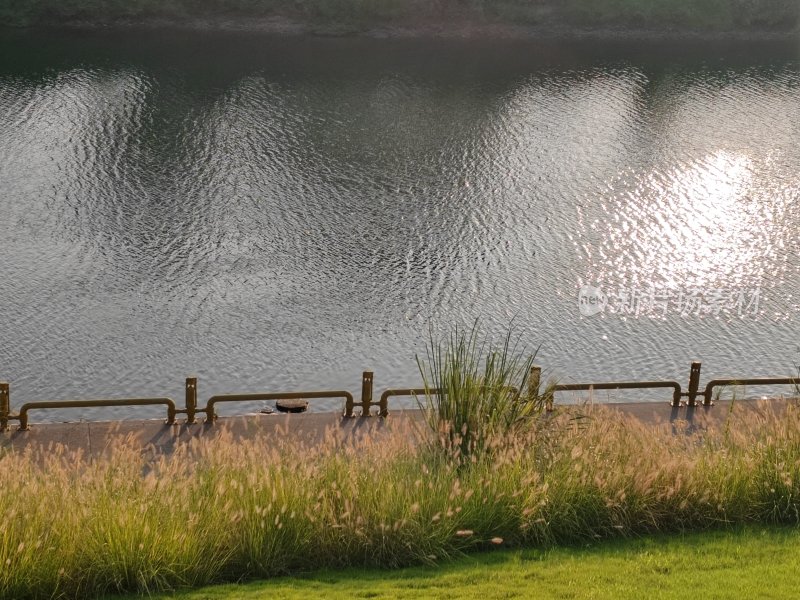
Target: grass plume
(227, 510)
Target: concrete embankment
(95, 438)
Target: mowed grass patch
(752, 562)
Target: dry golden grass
(226, 510)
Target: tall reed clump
(476, 392)
(226, 509)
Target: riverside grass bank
(81, 525)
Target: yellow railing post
(534, 383)
(694, 383)
(366, 392)
(383, 406)
(5, 405)
(191, 399)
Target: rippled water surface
(276, 213)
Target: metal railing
(623, 385)
(367, 403)
(691, 395)
(191, 409)
(211, 416)
(384, 401)
(23, 412)
(22, 416)
(707, 401)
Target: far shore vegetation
(355, 15)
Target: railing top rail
(279, 396)
(622, 385)
(714, 383)
(102, 403)
(211, 414)
(432, 390)
(614, 385)
(754, 381)
(409, 392)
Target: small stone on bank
(292, 406)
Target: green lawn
(755, 562)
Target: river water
(276, 213)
